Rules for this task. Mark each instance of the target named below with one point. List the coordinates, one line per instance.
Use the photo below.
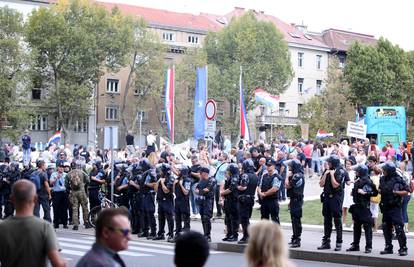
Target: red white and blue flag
(323, 134)
(244, 126)
(169, 102)
(55, 138)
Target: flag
(200, 103)
(55, 138)
(263, 97)
(244, 126)
(323, 134)
(169, 102)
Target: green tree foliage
(259, 48)
(13, 66)
(330, 111)
(379, 73)
(73, 43)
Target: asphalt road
(153, 253)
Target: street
(153, 253)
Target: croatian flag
(200, 103)
(323, 134)
(55, 138)
(244, 126)
(169, 102)
(263, 97)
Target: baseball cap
(271, 162)
(204, 169)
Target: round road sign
(211, 108)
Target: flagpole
(173, 107)
(206, 81)
(240, 100)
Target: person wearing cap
(59, 197)
(268, 192)
(205, 190)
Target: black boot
(233, 238)
(403, 251)
(354, 247)
(387, 250)
(243, 240)
(326, 244)
(338, 247)
(295, 243)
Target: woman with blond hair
(266, 246)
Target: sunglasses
(124, 232)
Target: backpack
(75, 180)
(35, 178)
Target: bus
(386, 123)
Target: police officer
(165, 200)
(333, 181)
(182, 187)
(59, 197)
(362, 192)
(9, 174)
(148, 187)
(268, 192)
(295, 185)
(96, 180)
(205, 190)
(122, 184)
(231, 209)
(392, 188)
(247, 188)
(134, 194)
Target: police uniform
(59, 198)
(295, 193)
(134, 195)
(360, 210)
(148, 203)
(9, 174)
(165, 202)
(93, 188)
(182, 201)
(332, 199)
(206, 201)
(231, 209)
(269, 205)
(248, 181)
(390, 206)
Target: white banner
(357, 130)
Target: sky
(393, 20)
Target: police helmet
(334, 161)
(144, 164)
(296, 166)
(248, 166)
(233, 169)
(14, 166)
(184, 171)
(389, 168)
(165, 169)
(361, 171)
(97, 163)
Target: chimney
(302, 28)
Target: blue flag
(200, 103)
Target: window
(342, 61)
(139, 91)
(300, 107)
(300, 85)
(168, 36)
(193, 39)
(36, 94)
(294, 34)
(112, 86)
(142, 114)
(111, 113)
(318, 61)
(300, 59)
(318, 86)
(38, 123)
(282, 108)
(81, 126)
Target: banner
(357, 130)
(200, 103)
(169, 102)
(263, 97)
(244, 126)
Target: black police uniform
(165, 208)
(360, 210)
(248, 180)
(231, 210)
(332, 199)
(269, 205)
(9, 175)
(206, 201)
(281, 170)
(182, 203)
(295, 193)
(123, 199)
(93, 188)
(390, 206)
(135, 200)
(148, 198)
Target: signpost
(111, 142)
(356, 130)
(210, 124)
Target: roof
(341, 40)
(166, 18)
(290, 33)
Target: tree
(378, 74)
(145, 72)
(72, 44)
(13, 73)
(259, 48)
(331, 110)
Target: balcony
(277, 120)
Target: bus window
(385, 112)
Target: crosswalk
(80, 245)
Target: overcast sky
(391, 19)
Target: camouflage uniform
(78, 196)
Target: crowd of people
(357, 178)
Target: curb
(327, 256)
